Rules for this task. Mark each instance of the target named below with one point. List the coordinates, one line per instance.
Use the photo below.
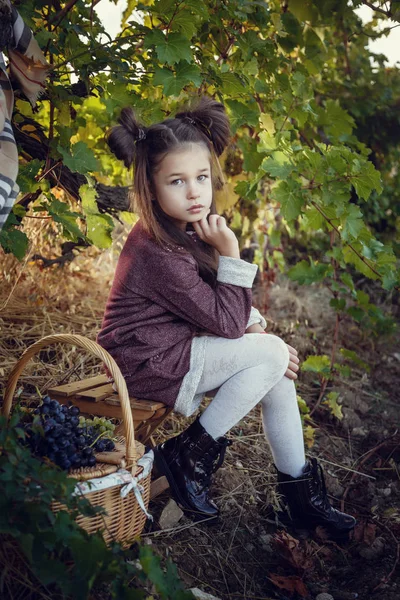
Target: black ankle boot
(188, 461)
(308, 501)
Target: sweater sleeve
(256, 317)
(224, 311)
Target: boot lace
(213, 459)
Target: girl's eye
(175, 181)
(203, 177)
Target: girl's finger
(213, 222)
(198, 229)
(294, 358)
(291, 349)
(204, 225)
(293, 366)
(290, 374)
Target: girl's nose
(193, 191)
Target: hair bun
(210, 116)
(122, 138)
(128, 120)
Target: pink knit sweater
(158, 310)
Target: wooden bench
(95, 396)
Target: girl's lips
(195, 208)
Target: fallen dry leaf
(291, 584)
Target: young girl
(179, 320)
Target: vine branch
(346, 243)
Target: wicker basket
(125, 519)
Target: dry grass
(230, 558)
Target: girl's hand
(214, 231)
(293, 366)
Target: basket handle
(97, 350)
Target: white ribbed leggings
(249, 370)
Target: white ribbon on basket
(121, 477)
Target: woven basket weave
(125, 519)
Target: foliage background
(313, 119)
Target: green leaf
(317, 364)
(313, 219)
(276, 169)
(81, 158)
(365, 179)
(14, 241)
(332, 401)
(186, 23)
(99, 226)
(242, 114)
(173, 83)
(232, 83)
(173, 49)
(351, 257)
(290, 197)
(353, 356)
(335, 119)
(353, 223)
(306, 273)
(61, 213)
(26, 176)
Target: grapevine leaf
(335, 119)
(14, 241)
(317, 364)
(267, 123)
(332, 401)
(99, 226)
(306, 273)
(289, 195)
(365, 179)
(61, 213)
(80, 159)
(173, 49)
(353, 223)
(242, 114)
(276, 169)
(173, 83)
(26, 176)
(185, 22)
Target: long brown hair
(145, 147)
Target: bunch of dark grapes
(57, 433)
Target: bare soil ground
(249, 554)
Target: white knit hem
(188, 401)
(256, 317)
(236, 271)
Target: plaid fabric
(29, 68)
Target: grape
(64, 436)
(109, 445)
(100, 446)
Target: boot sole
(162, 468)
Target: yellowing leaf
(267, 123)
(332, 401)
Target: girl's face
(182, 181)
